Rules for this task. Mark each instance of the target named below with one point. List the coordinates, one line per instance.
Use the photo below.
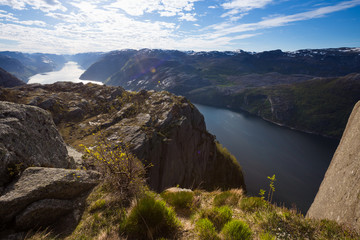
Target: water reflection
(299, 160)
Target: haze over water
(299, 160)
(69, 73)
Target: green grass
(227, 198)
(182, 201)
(206, 230)
(267, 236)
(106, 217)
(252, 204)
(98, 204)
(150, 218)
(236, 230)
(104, 213)
(217, 215)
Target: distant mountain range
(289, 88)
(305, 89)
(25, 65)
(144, 69)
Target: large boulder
(43, 195)
(28, 137)
(338, 197)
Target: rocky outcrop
(160, 128)
(28, 137)
(43, 196)
(8, 80)
(338, 197)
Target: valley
(255, 143)
(156, 123)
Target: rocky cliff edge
(338, 197)
(161, 128)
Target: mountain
(85, 60)
(25, 65)
(161, 128)
(221, 67)
(245, 80)
(8, 80)
(319, 105)
(15, 67)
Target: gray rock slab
(43, 213)
(38, 183)
(28, 137)
(338, 197)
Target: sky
(69, 27)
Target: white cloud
(163, 7)
(187, 17)
(242, 6)
(212, 7)
(246, 5)
(43, 5)
(235, 18)
(283, 20)
(95, 25)
(15, 4)
(32, 23)
(86, 28)
(7, 16)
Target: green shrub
(236, 230)
(226, 198)
(217, 215)
(150, 219)
(179, 200)
(252, 204)
(206, 229)
(121, 169)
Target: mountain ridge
(221, 78)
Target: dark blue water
(299, 160)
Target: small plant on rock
(271, 187)
(121, 169)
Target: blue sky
(56, 26)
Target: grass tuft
(253, 204)
(181, 200)
(217, 215)
(206, 230)
(150, 218)
(236, 230)
(230, 198)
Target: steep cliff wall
(339, 195)
(161, 128)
